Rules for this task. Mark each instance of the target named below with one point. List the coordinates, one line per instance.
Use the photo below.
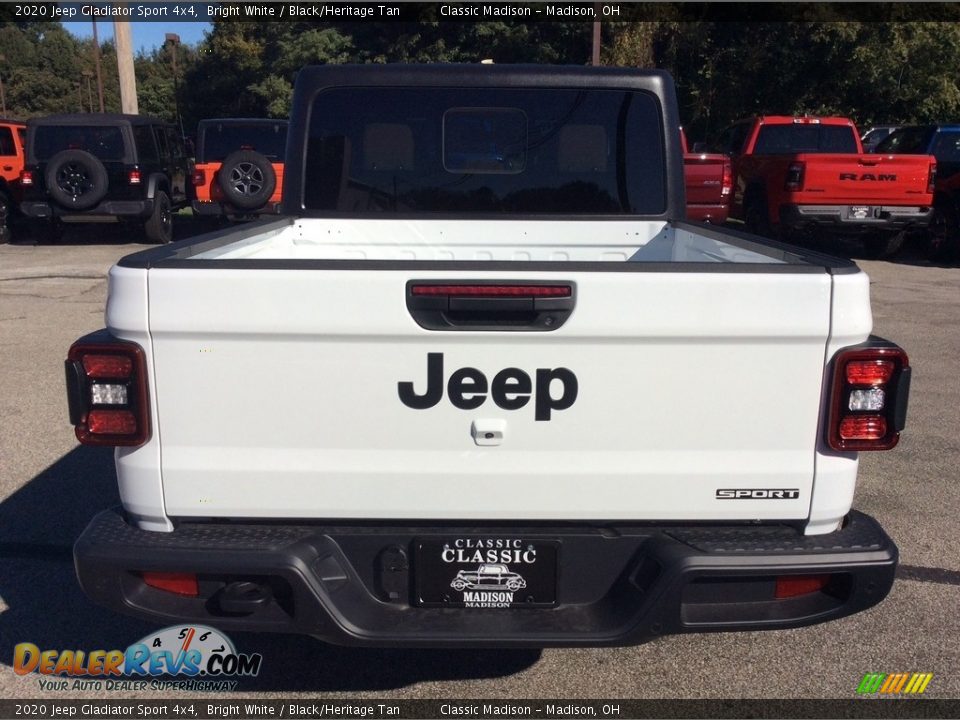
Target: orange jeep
(12, 139)
(239, 168)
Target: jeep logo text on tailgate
(511, 389)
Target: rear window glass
(146, 146)
(947, 147)
(220, 139)
(805, 138)
(485, 151)
(913, 141)
(105, 142)
(6, 142)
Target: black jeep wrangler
(104, 168)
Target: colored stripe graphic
(906, 683)
(871, 682)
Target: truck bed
(515, 241)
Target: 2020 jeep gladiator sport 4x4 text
(481, 335)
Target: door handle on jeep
(490, 305)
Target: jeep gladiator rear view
(481, 384)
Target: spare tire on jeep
(247, 179)
(76, 179)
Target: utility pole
(174, 39)
(595, 55)
(96, 59)
(88, 74)
(128, 80)
(3, 99)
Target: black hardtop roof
(245, 121)
(11, 121)
(98, 119)
(480, 75)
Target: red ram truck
(708, 180)
(797, 177)
(12, 134)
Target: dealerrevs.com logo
(201, 657)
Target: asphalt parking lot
(50, 487)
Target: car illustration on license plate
(472, 572)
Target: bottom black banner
(474, 709)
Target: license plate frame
(860, 212)
(486, 572)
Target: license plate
(860, 212)
(486, 572)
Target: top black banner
(404, 11)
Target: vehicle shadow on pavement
(184, 226)
(45, 606)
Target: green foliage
(874, 72)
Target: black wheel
(878, 247)
(159, 228)
(76, 179)
(5, 208)
(943, 235)
(756, 218)
(247, 179)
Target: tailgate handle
(490, 305)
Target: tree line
(875, 72)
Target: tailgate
(279, 396)
(872, 179)
(703, 178)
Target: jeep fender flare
(157, 181)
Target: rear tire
(880, 247)
(756, 217)
(159, 228)
(943, 235)
(6, 207)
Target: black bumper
(108, 208)
(855, 219)
(617, 585)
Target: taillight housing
(133, 176)
(727, 187)
(199, 178)
(26, 177)
(931, 177)
(794, 179)
(868, 403)
(107, 392)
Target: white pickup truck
(481, 384)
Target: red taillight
(111, 422)
(863, 427)
(789, 586)
(133, 177)
(107, 392)
(931, 177)
(558, 291)
(107, 366)
(794, 179)
(26, 177)
(727, 187)
(870, 372)
(178, 583)
(199, 178)
(868, 404)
